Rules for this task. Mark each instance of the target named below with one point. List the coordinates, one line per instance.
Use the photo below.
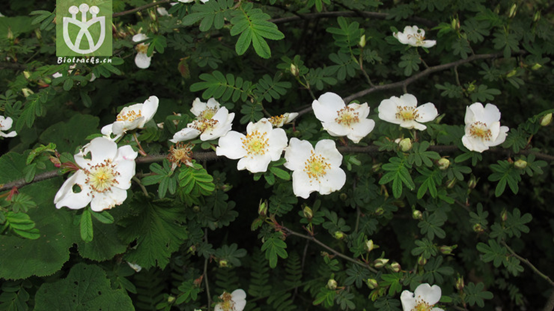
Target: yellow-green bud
(443, 163)
(294, 70)
(308, 213)
(372, 283)
(472, 182)
(339, 235)
(395, 266)
(223, 263)
(447, 250)
(536, 66)
(471, 87)
(417, 214)
(26, 74)
(196, 208)
(511, 73)
(460, 282)
(546, 119)
(376, 167)
(537, 16)
(513, 11)
(262, 208)
(362, 41)
(38, 33)
(343, 196)
(478, 228)
(520, 164)
(453, 23)
(332, 284)
(170, 299)
(380, 262)
(379, 211)
(451, 183)
(10, 34)
(369, 245)
(27, 92)
(405, 144)
(421, 260)
(504, 215)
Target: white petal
(100, 149)
(333, 180)
(107, 130)
(473, 112)
(231, 146)
(66, 197)
(139, 37)
(503, 132)
(429, 294)
(491, 114)
(277, 143)
(297, 153)
(408, 300)
(326, 106)
(213, 104)
(328, 150)
(5, 123)
(108, 199)
(142, 60)
(239, 297)
(125, 153)
(149, 108)
(428, 43)
(185, 134)
(255, 164)
(388, 109)
(335, 129)
(474, 144)
(10, 134)
(427, 112)
(198, 107)
(361, 130)
(302, 185)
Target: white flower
(103, 178)
(6, 124)
(404, 112)
(341, 120)
(236, 301)
(279, 121)
(314, 170)
(414, 36)
(424, 299)
(142, 59)
(261, 145)
(58, 74)
(483, 128)
(211, 122)
(132, 117)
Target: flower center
(419, 38)
(207, 114)
(129, 116)
(142, 48)
(422, 306)
(181, 153)
(277, 121)
(480, 130)
(255, 143)
(227, 304)
(406, 113)
(101, 177)
(203, 125)
(347, 116)
(316, 166)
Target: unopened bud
(369, 245)
(372, 283)
(27, 92)
(451, 183)
(478, 228)
(262, 208)
(339, 235)
(223, 263)
(453, 23)
(546, 119)
(460, 282)
(417, 214)
(294, 70)
(537, 16)
(10, 34)
(504, 215)
(196, 208)
(376, 167)
(511, 73)
(421, 260)
(362, 41)
(520, 164)
(536, 66)
(308, 213)
(38, 33)
(55, 161)
(379, 211)
(472, 182)
(192, 249)
(170, 299)
(443, 163)
(380, 262)
(447, 250)
(395, 266)
(26, 74)
(513, 11)
(332, 284)
(405, 144)
(343, 196)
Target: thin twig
(529, 264)
(206, 273)
(311, 238)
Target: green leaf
(476, 294)
(274, 247)
(86, 226)
(461, 47)
(347, 36)
(505, 173)
(410, 62)
(104, 217)
(431, 224)
(156, 228)
(397, 172)
(483, 93)
(222, 87)
(212, 13)
(67, 135)
(85, 288)
(196, 181)
(492, 252)
(106, 243)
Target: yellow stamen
(181, 153)
(316, 166)
(130, 116)
(227, 304)
(480, 130)
(347, 116)
(101, 177)
(207, 114)
(406, 113)
(255, 143)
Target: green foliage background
(482, 229)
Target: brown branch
(365, 14)
(140, 8)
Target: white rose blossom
(103, 177)
(279, 121)
(482, 129)
(414, 36)
(341, 120)
(212, 122)
(6, 124)
(404, 112)
(314, 170)
(424, 298)
(261, 145)
(142, 60)
(132, 117)
(236, 301)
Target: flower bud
(511, 73)
(472, 182)
(170, 299)
(537, 16)
(504, 215)
(55, 161)
(478, 228)
(262, 208)
(546, 119)
(536, 66)
(362, 41)
(196, 208)
(443, 163)
(447, 250)
(379, 211)
(421, 260)
(405, 144)
(376, 167)
(27, 92)
(520, 164)
(369, 245)
(451, 183)
(223, 263)
(372, 283)
(26, 74)
(339, 235)
(417, 214)
(513, 11)
(332, 284)
(460, 282)
(308, 213)
(10, 34)
(294, 70)
(380, 262)
(343, 196)
(395, 266)
(38, 33)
